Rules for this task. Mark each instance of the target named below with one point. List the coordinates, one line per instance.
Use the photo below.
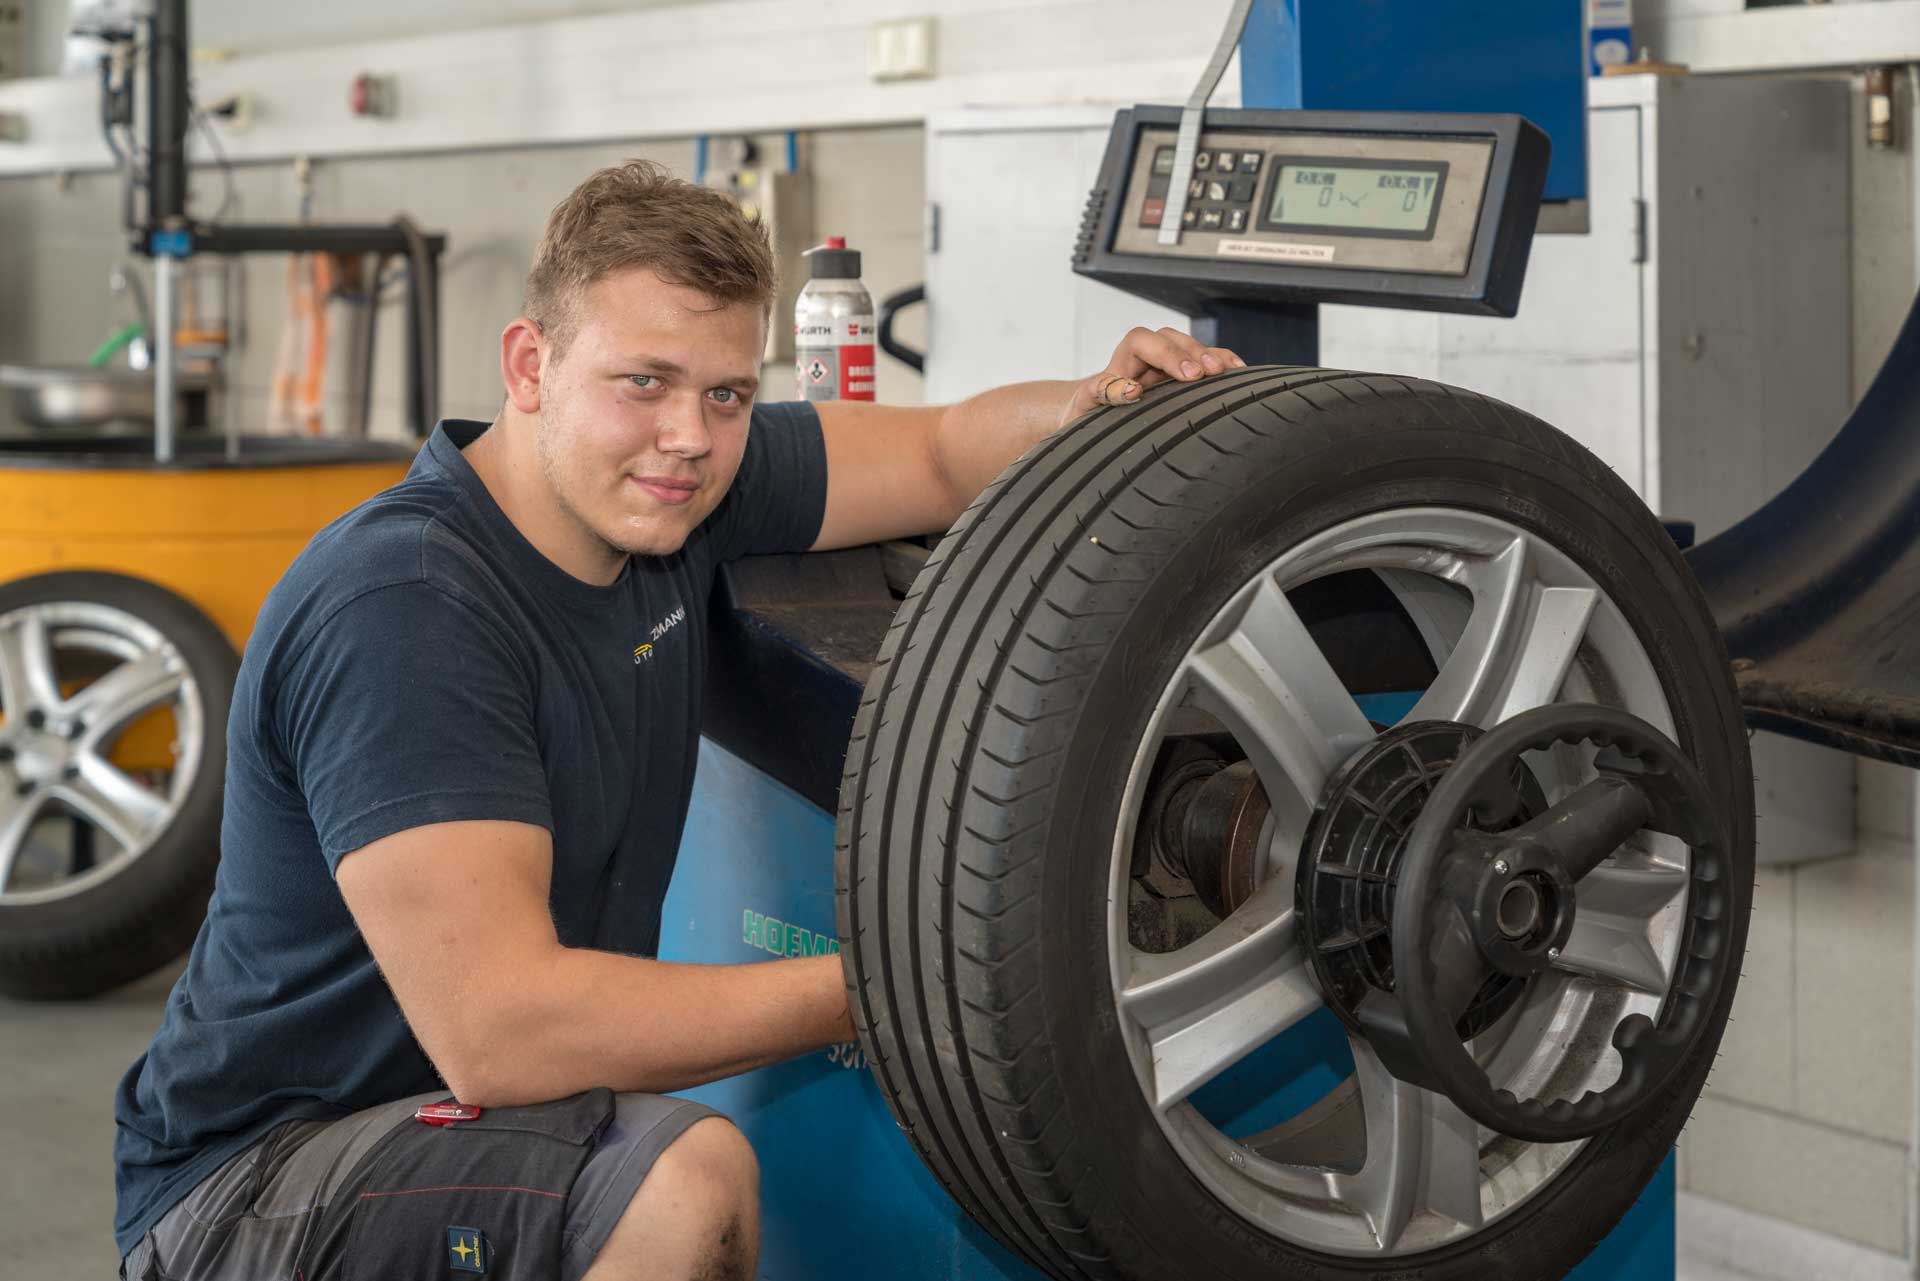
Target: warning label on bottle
(834, 372)
(856, 372)
(817, 371)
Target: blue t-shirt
(421, 662)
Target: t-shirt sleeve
(408, 708)
(779, 495)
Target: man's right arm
(456, 916)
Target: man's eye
(642, 381)
(726, 395)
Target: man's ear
(523, 351)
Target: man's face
(644, 419)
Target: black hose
(890, 307)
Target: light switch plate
(901, 50)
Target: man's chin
(648, 540)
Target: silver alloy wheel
(56, 742)
(1379, 1168)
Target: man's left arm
(894, 471)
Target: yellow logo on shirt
(641, 653)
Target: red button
(445, 1113)
(1151, 212)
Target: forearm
(578, 1019)
(976, 438)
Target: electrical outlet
(235, 111)
(901, 50)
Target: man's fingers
(1148, 357)
(1147, 350)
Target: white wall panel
(670, 71)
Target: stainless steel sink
(81, 397)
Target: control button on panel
(1224, 161)
(1216, 191)
(1196, 189)
(1209, 220)
(1163, 162)
(1190, 218)
(1202, 160)
(1152, 211)
(1241, 189)
(1249, 161)
(1236, 219)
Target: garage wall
(244, 26)
(1807, 1115)
(58, 240)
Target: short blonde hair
(638, 215)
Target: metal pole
(164, 266)
(167, 114)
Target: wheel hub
(1486, 894)
(38, 756)
(1350, 865)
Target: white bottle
(833, 328)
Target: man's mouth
(666, 489)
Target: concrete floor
(59, 1064)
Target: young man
(454, 796)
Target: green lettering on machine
(771, 934)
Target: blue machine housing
(1486, 56)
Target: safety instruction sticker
(842, 372)
(1278, 250)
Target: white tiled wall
(1806, 1118)
(1807, 1114)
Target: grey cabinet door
(1003, 304)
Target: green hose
(111, 347)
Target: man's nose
(683, 428)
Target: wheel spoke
(17, 816)
(1612, 926)
(1214, 1001)
(1549, 639)
(1516, 648)
(1269, 684)
(1423, 1154)
(27, 674)
(113, 802)
(125, 693)
(1586, 828)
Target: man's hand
(895, 471)
(1144, 358)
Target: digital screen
(1378, 200)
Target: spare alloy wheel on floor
(1300, 824)
(113, 716)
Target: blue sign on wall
(1524, 56)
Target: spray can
(833, 327)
